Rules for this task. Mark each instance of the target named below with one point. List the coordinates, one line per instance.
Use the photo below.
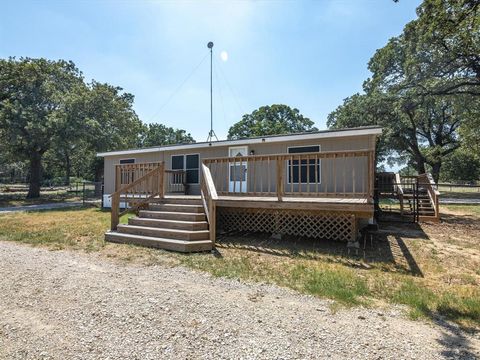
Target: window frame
(126, 159)
(185, 165)
(319, 164)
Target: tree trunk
(68, 169)
(436, 171)
(98, 164)
(420, 162)
(35, 176)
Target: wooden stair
(425, 207)
(177, 224)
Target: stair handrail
(433, 193)
(154, 187)
(209, 198)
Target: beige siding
(341, 174)
(342, 170)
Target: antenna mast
(211, 133)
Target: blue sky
(309, 55)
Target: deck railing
(324, 174)
(407, 189)
(125, 174)
(175, 181)
(209, 198)
(140, 191)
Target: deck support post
(213, 221)
(114, 216)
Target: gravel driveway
(69, 305)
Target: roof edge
(331, 133)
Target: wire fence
(465, 187)
(87, 192)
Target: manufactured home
(316, 184)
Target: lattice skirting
(309, 223)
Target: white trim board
(257, 140)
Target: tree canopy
(33, 97)
(158, 134)
(271, 120)
(424, 87)
(50, 116)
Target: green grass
(417, 297)
(424, 302)
(340, 284)
(323, 280)
(322, 273)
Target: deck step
(164, 233)
(169, 224)
(169, 215)
(160, 243)
(431, 218)
(177, 208)
(182, 201)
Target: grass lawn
(463, 210)
(460, 195)
(433, 269)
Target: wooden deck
(360, 206)
(280, 194)
(329, 200)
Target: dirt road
(70, 305)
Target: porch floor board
(290, 199)
(359, 206)
(304, 199)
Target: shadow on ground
(455, 342)
(388, 248)
(452, 219)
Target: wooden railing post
(209, 199)
(371, 175)
(115, 210)
(161, 180)
(280, 182)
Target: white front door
(237, 170)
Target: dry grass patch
(59, 229)
(18, 198)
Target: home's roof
(358, 131)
